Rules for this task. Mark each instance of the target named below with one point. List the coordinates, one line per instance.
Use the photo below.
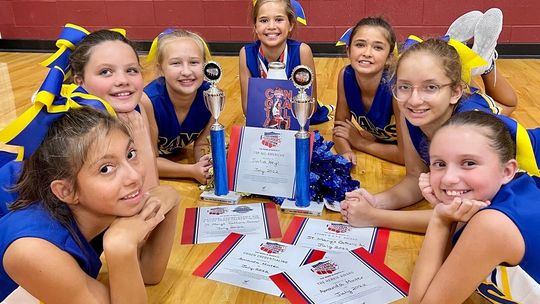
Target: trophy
(303, 107)
(214, 98)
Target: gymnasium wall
(229, 21)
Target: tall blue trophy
(214, 98)
(303, 107)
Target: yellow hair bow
(469, 59)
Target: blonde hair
(175, 34)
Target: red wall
(228, 20)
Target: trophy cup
(214, 98)
(303, 107)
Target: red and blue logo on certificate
(270, 139)
(217, 211)
(272, 248)
(323, 268)
(338, 228)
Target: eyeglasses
(426, 92)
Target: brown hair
(288, 9)
(81, 55)
(375, 21)
(60, 157)
(447, 55)
(493, 128)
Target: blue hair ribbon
(27, 131)
(299, 11)
(344, 39)
(69, 38)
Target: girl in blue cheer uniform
(103, 64)
(364, 93)
(177, 113)
(428, 91)
(274, 20)
(81, 194)
(476, 182)
(364, 86)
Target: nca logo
(216, 211)
(272, 248)
(326, 267)
(271, 139)
(338, 228)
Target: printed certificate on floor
(333, 237)
(213, 224)
(347, 277)
(248, 262)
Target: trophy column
(214, 99)
(303, 108)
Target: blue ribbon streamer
(302, 172)
(217, 138)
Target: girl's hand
(427, 191)
(358, 208)
(201, 169)
(459, 210)
(350, 156)
(134, 121)
(130, 232)
(165, 196)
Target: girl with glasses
(364, 93)
(428, 91)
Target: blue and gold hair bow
(344, 39)
(70, 37)
(152, 53)
(27, 131)
(298, 11)
(469, 59)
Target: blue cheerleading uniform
(527, 141)
(9, 174)
(322, 113)
(173, 136)
(35, 222)
(379, 120)
(517, 200)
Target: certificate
(248, 261)
(334, 237)
(348, 277)
(262, 161)
(213, 224)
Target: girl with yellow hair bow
(175, 104)
(104, 67)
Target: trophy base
(231, 198)
(314, 208)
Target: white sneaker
(486, 34)
(462, 29)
